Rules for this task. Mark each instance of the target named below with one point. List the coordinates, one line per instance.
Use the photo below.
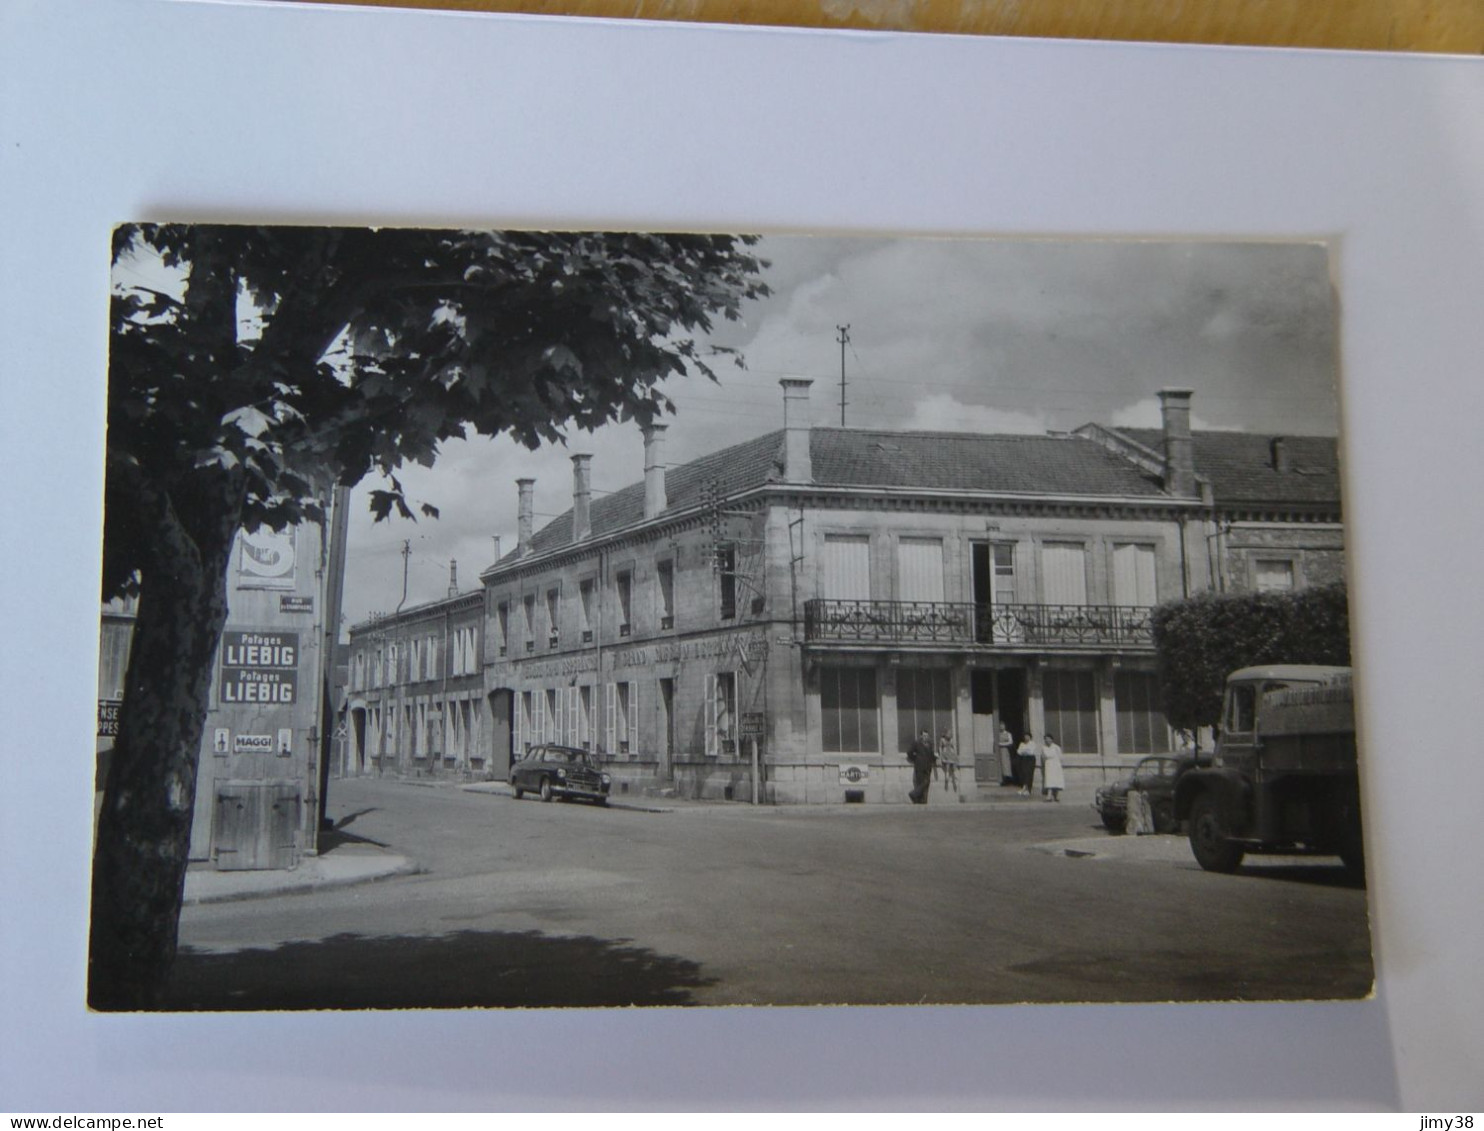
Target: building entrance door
(981, 700)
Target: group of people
(926, 759)
(1028, 756)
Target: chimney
(582, 496)
(1279, 450)
(797, 467)
(525, 517)
(496, 539)
(655, 500)
(453, 578)
(1174, 407)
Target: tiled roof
(1239, 466)
(965, 461)
(735, 469)
(849, 457)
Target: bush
(1202, 640)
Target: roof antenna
(844, 340)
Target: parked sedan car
(1154, 777)
(560, 771)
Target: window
(1071, 710)
(1064, 573)
(1003, 555)
(553, 596)
(623, 718)
(924, 703)
(847, 568)
(625, 586)
(1141, 724)
(530, 604)
(1242, 708)
(115, 659)
(553, 714)
(726, 564)
(1133, 575)
(920, 569)
(847, 700)
(667, 594)
(585, 609)
(721, 714)
(1272, 575)
(503, 616)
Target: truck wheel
(546, 794)
(1208, 837)
(1164, 817)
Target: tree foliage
(250, 368)
(1202, 640)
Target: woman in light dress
(1053, 781)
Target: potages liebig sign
(260, 668)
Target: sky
(945, 335)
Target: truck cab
(1284, 778)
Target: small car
(1154, 777)
(560, 771)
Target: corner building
(778, 620)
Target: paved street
(521, 903)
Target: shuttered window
(1133, 575)
(1141, 724)
(847, 568)
(1071, 710)
(848, 705)
(924, 702)
(1064, 573)
(920, 569)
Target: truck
(1284, 778)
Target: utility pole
(406, 553)
(844, 340)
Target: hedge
(1202, 640)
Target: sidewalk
(342, 865)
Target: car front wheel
(546, 789)
(1113, 820)
(1208, 837)
(519, 793)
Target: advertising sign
(754, 724)
(260, 667)
(108, 717)
(267, 559)
(252, 744)
(854, 774)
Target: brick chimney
(655, 499)
(1174, 407)
(453, 578)
(525, 516)
(582, 496)
(797, 464)
(1279, 449)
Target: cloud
(941, 412)
(1146, 414)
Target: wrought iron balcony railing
(940, 622)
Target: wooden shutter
(633, 720)
(1064, 573)
(920, 569)
(1133, 575)
(712, 745)
(847, 568)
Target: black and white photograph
(515, 618)
(612, 564)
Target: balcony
(1033, 627)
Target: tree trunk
(144, 829)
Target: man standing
(922, 757)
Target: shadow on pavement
(458, 970)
